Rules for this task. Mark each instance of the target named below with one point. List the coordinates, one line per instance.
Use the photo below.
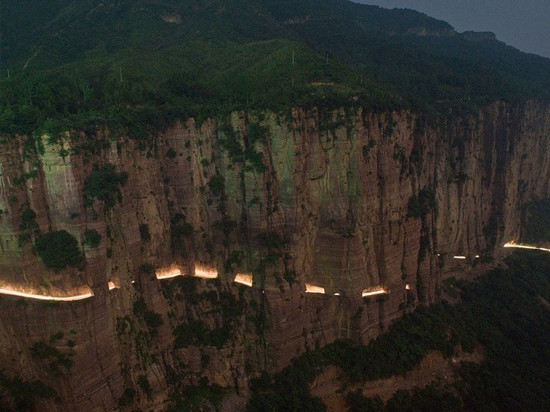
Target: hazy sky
(524, 24)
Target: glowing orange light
(314, 289)
(408, 287)
(244, 279)
(8, 291)
(512, 243)
(168, 273)
(205, 272)
(113, 285)
(374, 291)
(459, 257)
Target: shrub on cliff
(92, 238)
(104, 184)
(179, 231)
(420, 205)
(144, 233)
(52, 356)
(28, 225)
(201, 397)
(28, 220)
(58, 250)
(22, 395)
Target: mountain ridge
(384, 57)
(233, 191)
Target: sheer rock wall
(345, 200)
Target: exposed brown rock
(328, 204)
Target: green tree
(58, 250)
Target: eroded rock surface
(346, 200)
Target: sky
(524, 24)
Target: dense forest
(136, 66)
(506, 312)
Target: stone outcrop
(346, 200)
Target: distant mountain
(80, 59)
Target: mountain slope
(205, 165)
(207, 57)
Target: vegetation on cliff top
(135, 66)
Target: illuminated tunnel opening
(314, 289)
(513, 244)
(244, 279)
(168, 273)
(374, 291)
(112, 285)
(30, 295)
(205, 272)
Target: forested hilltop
(139, 65)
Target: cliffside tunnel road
(26, 295)
(374, 292)
(244, 279)
(205, 272)
(202, 272)
(519, 246)
(314, 289)
(169, 273)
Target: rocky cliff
(340, 204)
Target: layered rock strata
(345, 200)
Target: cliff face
(347, 201)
